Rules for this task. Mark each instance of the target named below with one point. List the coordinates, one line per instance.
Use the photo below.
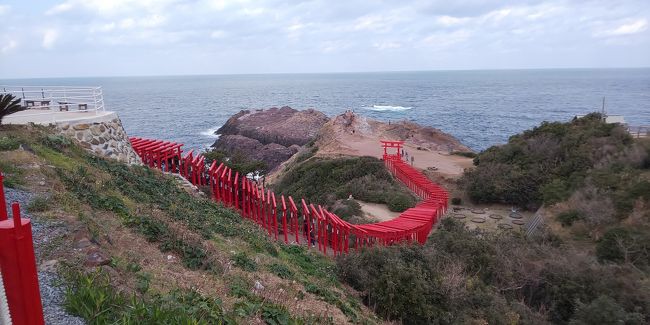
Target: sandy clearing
(378, 212)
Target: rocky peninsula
(276, 134)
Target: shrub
(400, 202)
(604, 310)
(569, 217)
(7, 144)
(324, 181)
(625, 245)
(281, 270)
(467, 154)
(57, 142)
(456, 201)
(545, 164)
(39, 204)
(347, 209)
(242, 261)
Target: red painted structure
(289, 220)
(18, 265)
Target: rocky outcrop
(285, 126)
(272, 135)
(106, 139)
(272, 154)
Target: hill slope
(137, 247)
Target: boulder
(285, 126)
(272, 135)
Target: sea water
(480, 108)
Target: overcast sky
(66, 38)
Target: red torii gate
(387, 144)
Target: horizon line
(320, 73)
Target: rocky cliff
(271, 135)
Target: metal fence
(56, 100)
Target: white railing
(639, 131)
(54, 100)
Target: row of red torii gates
(296, 220)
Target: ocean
(480, 108)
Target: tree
(9, 105)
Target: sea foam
(388, 108)
(210, 133)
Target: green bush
(57, 142)
(456, 201)
(39, 204)
(467, 154)
(569, 217)
(242, 261)
(545, 164)
(7, 144)
(347, 209)
(625, 245)
(400, 202)
(281, 270)
(324, 181)
(604, 311)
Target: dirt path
(378, 212)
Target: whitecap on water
(388, 108)
(210, 133)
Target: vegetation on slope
(326, 181)
(589, 266)
(474, 277)
(144, 221)
(551, 161)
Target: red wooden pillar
(3, 204)
(294, 219)
(284, 220)
(274, 209)
(18, 265)
(229, 181)
(236, 189)
(307, 220)
(244, 197)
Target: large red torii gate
(388, 144)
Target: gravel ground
(49, 282)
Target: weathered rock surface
(272, 154)
(285, 126)
(272, 135)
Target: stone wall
(103, 138)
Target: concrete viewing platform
(52, 117)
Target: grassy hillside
(175, 257)
(330, 181)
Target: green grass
(91, 297)
(39, 204)
(8, 143)
(324, 181)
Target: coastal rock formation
(272, 154)
(272, 135)
(349, 124)
(285, 126)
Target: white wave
(210, 133)
(388, 108)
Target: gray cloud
(132, 37)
